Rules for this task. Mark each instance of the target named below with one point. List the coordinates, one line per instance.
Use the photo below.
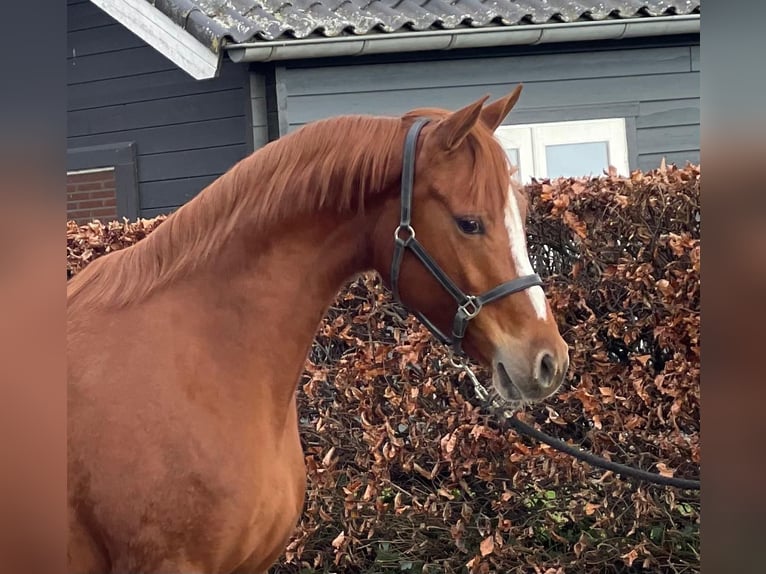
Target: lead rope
(507, 419)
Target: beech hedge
(406, 475)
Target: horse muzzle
(529, 377)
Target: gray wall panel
(178, 137)
(102, 39)
(669, 112)
(191, 163)
(115, 64)
(165, 194)
(668, 139)
(147, 86)
(488, 71)
(167, 111)
(656, 89)
(302, 109)
(85, 15)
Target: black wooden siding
(655, 88)
(186, 132)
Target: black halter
(404, 237)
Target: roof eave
(532, 34)
(164, 35)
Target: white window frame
(521, 141)
(531, 140)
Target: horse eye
(470, 226)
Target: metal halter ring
(410, 231)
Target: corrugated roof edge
(486, 37)
(217, 37)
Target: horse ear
(494, 114)
(451, 131)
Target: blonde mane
(329, 164)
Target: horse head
(452, 246)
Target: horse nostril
(547, 369)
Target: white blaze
(519, 254)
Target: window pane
(513, 157)
(576, 160)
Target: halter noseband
(404, 237)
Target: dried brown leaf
(487, 546)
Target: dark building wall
(654, 84)
(120, 90)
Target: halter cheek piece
(404, 238)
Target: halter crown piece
(469, 306)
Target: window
(566, 149)
(102, 182)
(91, 194)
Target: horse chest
(274, 501)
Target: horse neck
(304, 232)
(263, 302)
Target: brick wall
(91, 194)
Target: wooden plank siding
(186, 132)
(655, 88)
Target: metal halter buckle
(471, 306)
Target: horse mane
(328, 164)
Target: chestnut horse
(185, 350)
